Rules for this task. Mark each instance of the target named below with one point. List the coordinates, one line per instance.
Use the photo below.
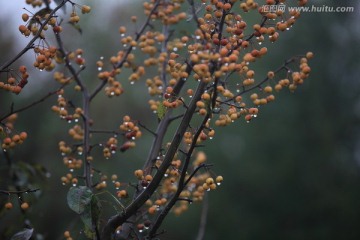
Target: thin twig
(19, 192)
(203, 217)
(37, 35)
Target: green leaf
(161, 111)
(79, 198)
(23, 235)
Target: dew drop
(140, 230)
(74, 184)
(99, 69)
(218, 184)
(112, 93)
(71, 170)
(101, 58)
(210, 138)
(166, 175)
(132, 82)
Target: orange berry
(24, 206)
(8, 205)
(67, 234)
(309, 55)
(85, 9)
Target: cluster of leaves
(200, 81)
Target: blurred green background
(292, 173)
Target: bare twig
(30, 44)
(203, 218)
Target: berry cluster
(16, 81)
(9, 139)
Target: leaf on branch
(79, 198)
(23, 235)
(82, 201)
(161, 111)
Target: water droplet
(140, 230)
(175, 49)
(41, 70)
(146, 227)
(132, 82)
(166, 175)
(113, 152)
(63, 184)
(210, 138)
(69, 121)
(101, 58)
(208, 190)
(117, 188)
(122, 35)
(76, 120)
(71, 170)
(254, 115)
(99, 68)
(218, 183)
(197, 37)
(74, 184)
(112, 93)
(124, 45)
(134, 48)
